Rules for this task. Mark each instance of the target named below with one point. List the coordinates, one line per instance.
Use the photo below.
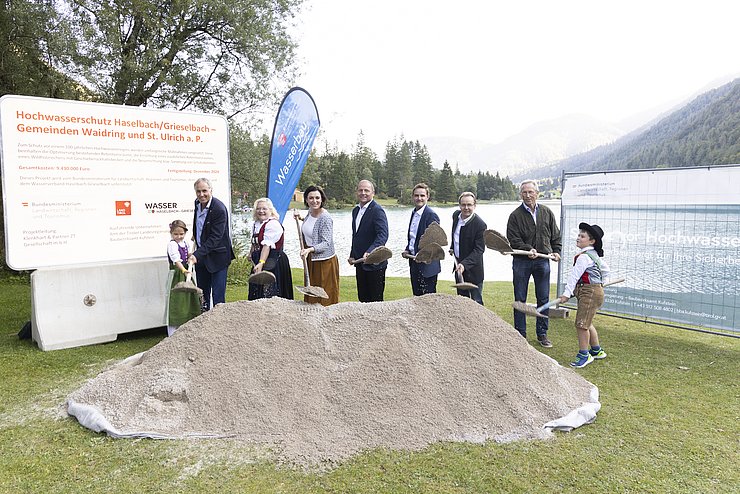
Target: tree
(485, 186)
(249, 160)
(467, 182)
(29, 34)
(421, 164)
(446, 184)
(364, 160)
(341, 181)
(208, 55)
(398, 167)
(311, 172)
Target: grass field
(668, 423)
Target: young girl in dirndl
(181, 306)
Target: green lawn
(669, 423)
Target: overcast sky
(486, 69)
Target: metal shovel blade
(495, 241)
(431, 252)
(262, 278)
(187, 286)
(379, 255)
(465, 286)
(312, 291)
(433, 234)
(527, 309)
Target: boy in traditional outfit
(586, 284)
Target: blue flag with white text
(296, 126)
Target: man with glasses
(468, 246)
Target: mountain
(540, 144)
(706, 131)
(540, 148)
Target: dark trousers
(419, 284)
(475, 294)
(539, 269)
(211, 283)
(370, 284)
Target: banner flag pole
(296, 126)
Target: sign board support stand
(87, 304)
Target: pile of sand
(322, 383)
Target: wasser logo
(161, 207)
(123, 208)
(282, 139)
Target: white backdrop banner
(673, 233)
(84, 182)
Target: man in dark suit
(423, 276)
(369, 231)
(213, 252)
(468, 245)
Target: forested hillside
(704, 132)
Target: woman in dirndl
(268, 236)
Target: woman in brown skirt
(318, 235)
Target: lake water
(497, 266)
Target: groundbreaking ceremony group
(532, 237)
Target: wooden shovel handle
(189, 274)
(556, 301)
(526, 253)
(615, 281)
(306, 280)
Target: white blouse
(307, 229)
(173, 252)
(273, 231)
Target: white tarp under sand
(322, 383)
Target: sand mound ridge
(322, 383)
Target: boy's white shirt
(583, 263)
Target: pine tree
(341, 181)
(446, 184)
(364, 161)
(421, 164)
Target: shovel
(532, 310)
(378, 255)
(262, 278)
(433, 234)
(187, 286)
(432, 251)
(311, 291)
(462, 285)
(495, 241)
